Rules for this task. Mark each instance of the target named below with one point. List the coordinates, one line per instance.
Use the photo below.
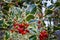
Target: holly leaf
(31, 9)
(5, 25)
(7, 34)
(1, 21)
(32, 31)
(15, 11)
(29, 17)
(33, 37)
(43, 23)
(57, 4)
(56, 28)
(48, 12)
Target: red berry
(24, 32)
(43, 35)
(21, 25)
(20, 30)
(39, 22)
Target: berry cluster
(43, 35)
(21, 28)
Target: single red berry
(21, 25)
(24, 32)
(39, 22)
(20, 30)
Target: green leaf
(45, 4)
(5, 12)
(1, 21)
(33, 31)
(15, 11)
(1, 14)
(33, 37)
(31, 9)
(6, 8)
(49, 30)
(29, 17)
(57, 28)
(57, 4)
(48, 12)
(7, 35)
(5, 25)
(10, 22)
(43, 23)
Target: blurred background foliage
(27, 10)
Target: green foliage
(43, 23)
(1, 22)
(48, 11)
(11, 11)
(31, 9)
(7, 34)
(57, 4)
(29, 17)
(33, 37)
(56, 28)
(5, 25)
(6, 8)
